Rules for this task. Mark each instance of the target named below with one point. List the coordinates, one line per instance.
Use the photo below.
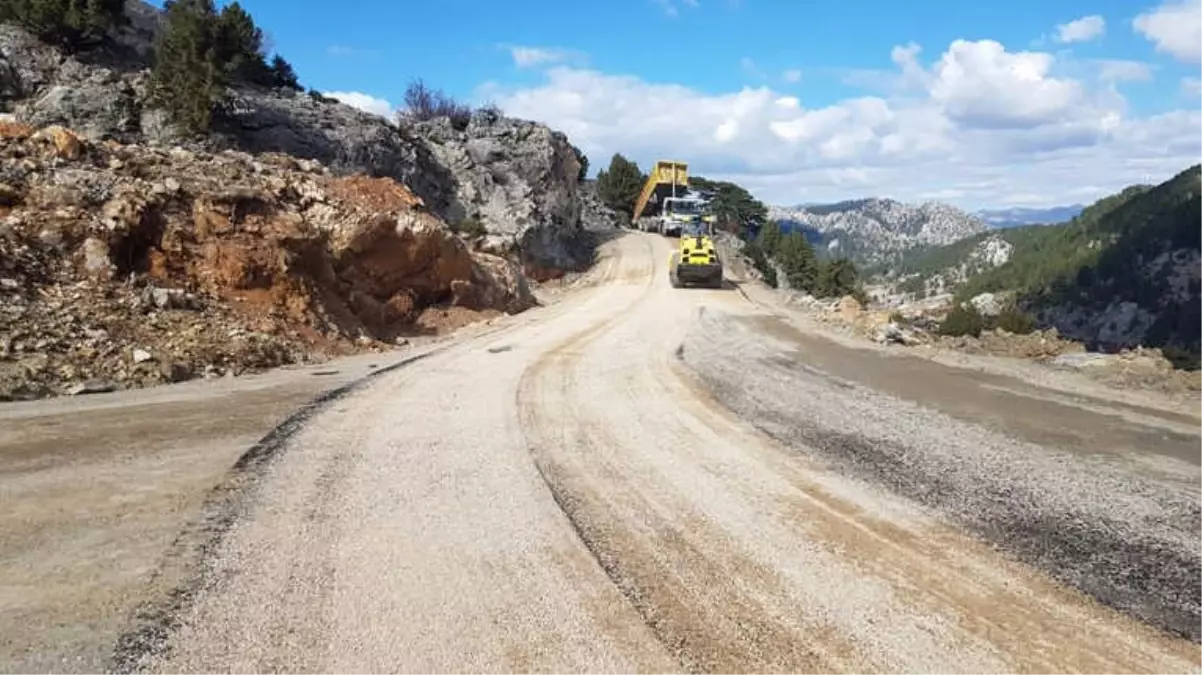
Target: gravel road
(639, 478)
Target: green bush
(754, 251)
(837, 278)
(964, 319)
(68, 22)
(797, 260)
(1014, 320)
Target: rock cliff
(518, 182)
(516, 178)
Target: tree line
(794, 255)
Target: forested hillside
(1123, 273)
(1044, 254)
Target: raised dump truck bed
(668, 178)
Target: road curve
(566, 495)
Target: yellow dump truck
(696, 260)
(665, 205)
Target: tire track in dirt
(744, 633)
(723, 602)
(407, 531)
(1035, 622)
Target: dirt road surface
(639, 478)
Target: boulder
(987, 304)
(519, 179)
(849, 309)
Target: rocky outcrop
(345, 139)
(933, 271)
(137, 264)
(516, 178)
(518, 181)
(596, 215)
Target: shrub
(964, 319)
(619, 185)
(797, 259)
(754, 251)
(319, 97)
(583, 160)
(491, 111)
(423, 103)
(1014, 320)
(836, 278)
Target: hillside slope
(1144, 288)
(1124, 273)
(124, 266)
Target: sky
(978, 104)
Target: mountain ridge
(1017, 216)
(876, 230)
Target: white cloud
(1191, 86)
(791, 76)
(981, 125)
(981, 84)
(1175, 27)
(529, 57)
(1082, 30)
(1121, 70)
(364, 102)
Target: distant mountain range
(1017, 216)
(875, 231)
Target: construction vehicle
(696, 260)
(665, 204)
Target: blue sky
(980, 104)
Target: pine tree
(769, 237)
(619, 186)
(283, 75)
(240, 47)
(836, 278)
(797, 259)
(186, 79)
